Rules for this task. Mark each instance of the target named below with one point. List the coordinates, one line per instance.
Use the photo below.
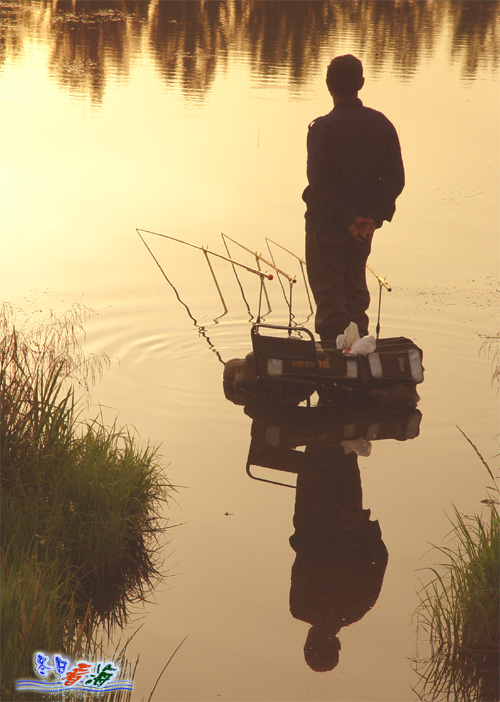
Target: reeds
(459, 609)
(491, 347)
(80, 501)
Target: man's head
(322, 648)
(344, 76)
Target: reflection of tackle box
(278, 434)
(301, 359)
(331, 425)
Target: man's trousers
(337, 276)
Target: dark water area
(190, 119)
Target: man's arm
(390, 183)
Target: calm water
(190, 119)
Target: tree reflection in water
(190, 41)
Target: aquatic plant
(459, 609)
(80, 501)
(491, 347)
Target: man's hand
(362, 228)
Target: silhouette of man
(355, 173)
(340, 556)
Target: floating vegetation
(459, 610)
(80, 500)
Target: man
(355, 173)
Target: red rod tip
(270, 276)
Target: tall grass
(80, 501)
(491, 347)
(459, 610)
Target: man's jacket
(354, 167)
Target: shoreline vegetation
(491, 348)
(459, 609)
(80, 502)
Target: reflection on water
(340, 556)
(202, 331)
(144, 157)
(451, 675)
(85, 36)
(191, 41)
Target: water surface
(190, 119)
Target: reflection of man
(341, 559)
(355, 174)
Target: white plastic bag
(363, 346)
(347, 339)
(351, 334)
(349, 342)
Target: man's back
(355, 174)
(354, 166)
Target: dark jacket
(354, 167)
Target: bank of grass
(79, 501)
(459, 609)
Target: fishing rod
(382, 283)
(301, 262)
(241, 286)
(291, 278)
(262, 274)
(201, 329)
(258, 257)
(288, 302)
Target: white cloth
(363, 346)
(350, 342)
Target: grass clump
(491, 347)
(79, 505)
(459, 609)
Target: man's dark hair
(345, 75)
(321, 649)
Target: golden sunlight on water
(188, 119)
